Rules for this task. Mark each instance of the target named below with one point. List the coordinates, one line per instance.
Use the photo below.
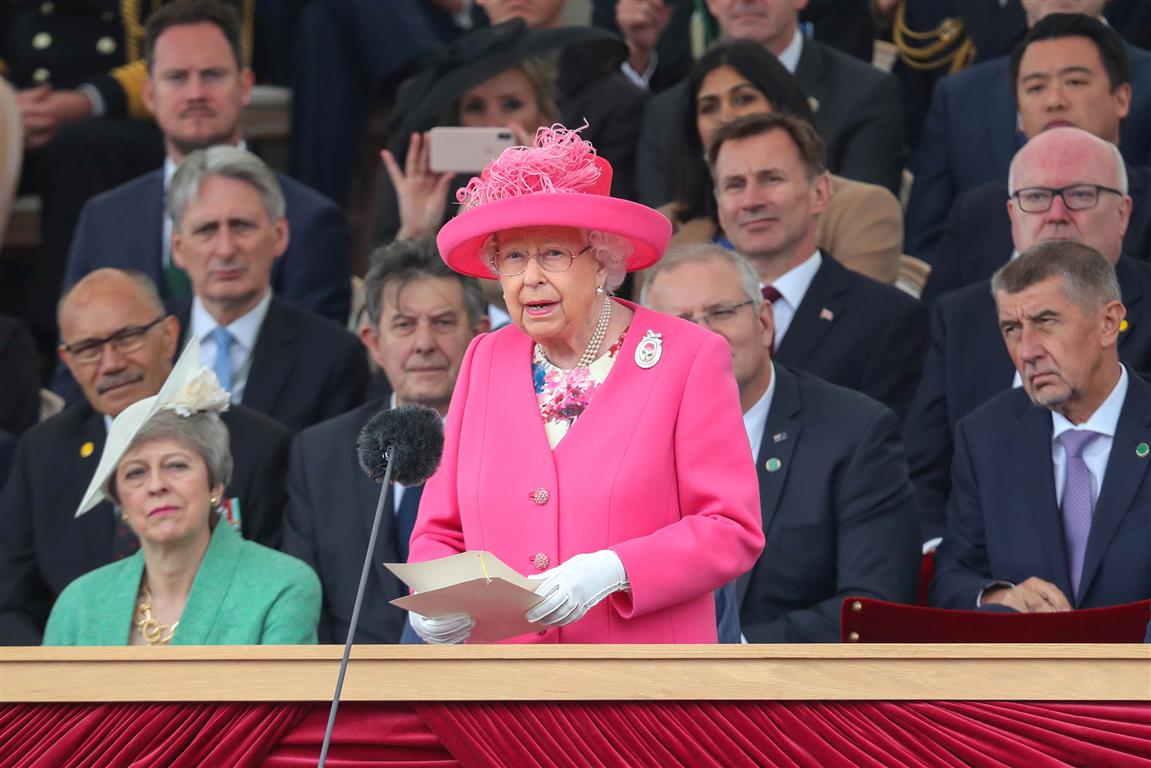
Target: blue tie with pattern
(223, 364)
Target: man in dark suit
(982, 116)
(420, 318)
(229, 229)
(197, 86)
(836, 501)
(771, 186)
(119, 343)
(966, 363)
(1049, 506)
(857, 107)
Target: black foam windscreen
(416, 434)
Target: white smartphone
(466, 150)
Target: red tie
(771, 293)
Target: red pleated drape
(109, 735)
(599, 734)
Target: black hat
(450, 71)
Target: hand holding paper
(453, 628)
(571, 589)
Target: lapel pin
(773, 464)
(779, 437)
(87, 449)
(826, 314)
(1123, 325)
(1142, 450)
(649, 350)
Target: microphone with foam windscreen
(402, 444)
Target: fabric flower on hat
(201, 394)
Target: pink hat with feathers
(558, 181)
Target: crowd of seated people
(187, 359)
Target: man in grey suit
(858, 108)
(834, 492)
(421, 316)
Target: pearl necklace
(591, 352)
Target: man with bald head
(1066, 184)
(1070, 70)
(118, 341)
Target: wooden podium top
(580, 673)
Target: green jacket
(243, 594)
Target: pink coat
(657, 468)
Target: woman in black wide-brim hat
(506, 75)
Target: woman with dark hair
(863, 224)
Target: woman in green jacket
(194, 581)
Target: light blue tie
(223, 366)
(1076, 506)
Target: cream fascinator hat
(189, 389)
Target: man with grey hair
(834, 493)
(1051, 483)
(1068, 185)
(118, 342)
(197, 87)
(421, 316)
(228, 231)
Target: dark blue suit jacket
(858, 333)
(967, 364)
(123, 228)
(970, 137)
(43, 547)
(978, 240)
(838, 514)
(305, 368)
(1003, 521)
(858, 111)
(330, 507)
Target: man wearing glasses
(1066, 184)
(833, 487)
(118, 342)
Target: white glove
(570, 589)
(453, 628)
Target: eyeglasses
(717, 314)
(125, 340)
(1077, 197)
(515, 262)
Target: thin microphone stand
(389, 456)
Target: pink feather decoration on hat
(558, 161)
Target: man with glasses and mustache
(1065, 184)
(836, 501)
(118, 341)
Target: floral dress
(564, 394)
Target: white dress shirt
(1098, 451)
(755, 420)
(792, 286)
(244, 332)
(789, 57)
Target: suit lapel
(98, 524)
(1126, 471)
(777, 444)
(272, 359)
(211, 588)
(811, 322)
(146, 242)
(1032, 453)
(810, 71)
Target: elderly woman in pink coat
(592, 443)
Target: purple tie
(1076, 505)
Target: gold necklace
(153, 632)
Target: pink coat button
(540, 561)
(540, 496)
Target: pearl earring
(599, 289)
